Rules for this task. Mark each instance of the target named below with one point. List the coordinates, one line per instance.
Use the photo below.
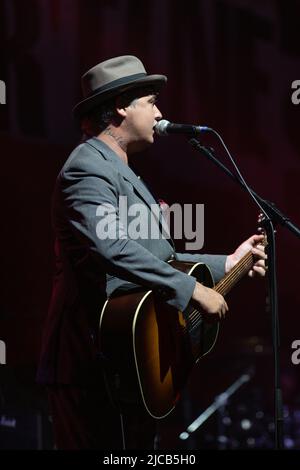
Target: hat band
(118, 82)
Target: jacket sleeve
(82, 189)
(215, 262)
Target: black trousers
(86, 418)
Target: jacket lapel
(129, 175)
(123, 169)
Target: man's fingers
(259, 270)
(224, 309)
(260, 263)
(259, 252)
(256, 238)
(260, 247)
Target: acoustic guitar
(150, 347)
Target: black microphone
(164, 127)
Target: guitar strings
(232, 277)
(195, 316)
(235, 274)
(194, 319)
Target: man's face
(141, 116)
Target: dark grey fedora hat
(112, 77)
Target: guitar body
(151, 347)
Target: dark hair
(101, 116)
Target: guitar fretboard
(224, 286)
(236, 273)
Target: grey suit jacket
(89, 268)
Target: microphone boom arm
(273, 212)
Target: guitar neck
(236, 273)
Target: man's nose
(158, 114)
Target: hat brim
(86, 105)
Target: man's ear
(120, 108)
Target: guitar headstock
(261, 228)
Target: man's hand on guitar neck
(210, 301)
(213, 303)
(253, 244)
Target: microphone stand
(273, 217)
(220, 401)
(273, 212)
